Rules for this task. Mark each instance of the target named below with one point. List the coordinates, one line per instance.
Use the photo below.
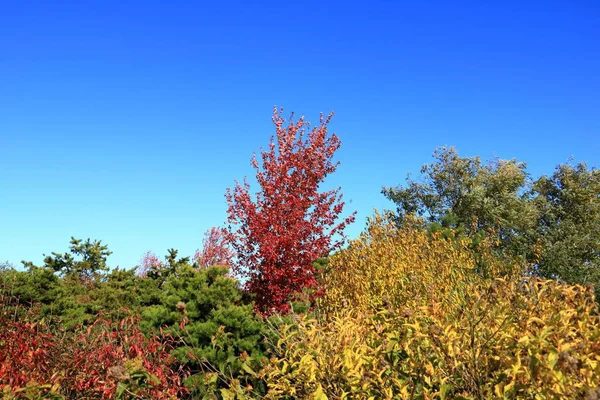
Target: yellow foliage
(391, 267)
(408, 315)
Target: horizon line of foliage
(428, 324)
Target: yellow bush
(388, 266)
(407, 316)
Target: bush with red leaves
(26, 353)
(105, 360)
(109, 355)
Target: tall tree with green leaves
(568, 230)
(553, 222)
(471, 196)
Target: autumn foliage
(215, 249)
(149, 262)
(444, 300)
(25, 348)
(290, 224)
(108, 354)
(408, 316)
(39, 359)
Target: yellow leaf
(319, 394)
(524, 340)
(536, 320)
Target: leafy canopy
(553, 222)
(568, 230)
(465, 193)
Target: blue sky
(126, 121)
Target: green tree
(553, 223)
(212, 315)
(160, 271)
(119, 294)
(470, 196)
(568, 230)
(76, 286)
(36, 285)
(89, 267)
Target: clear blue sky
(126, 121)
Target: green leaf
(444, 389)
(227, 394)
(249, 370)
(120, 391)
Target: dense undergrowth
(406, 314)
(409, 315)
(122, 335)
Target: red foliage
(215, 249)
(106, 353)
(148, 262)
(278, 236)
(25, 349)
(90, 364)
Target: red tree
(215, 249)
(280, 234)
(148, 262)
